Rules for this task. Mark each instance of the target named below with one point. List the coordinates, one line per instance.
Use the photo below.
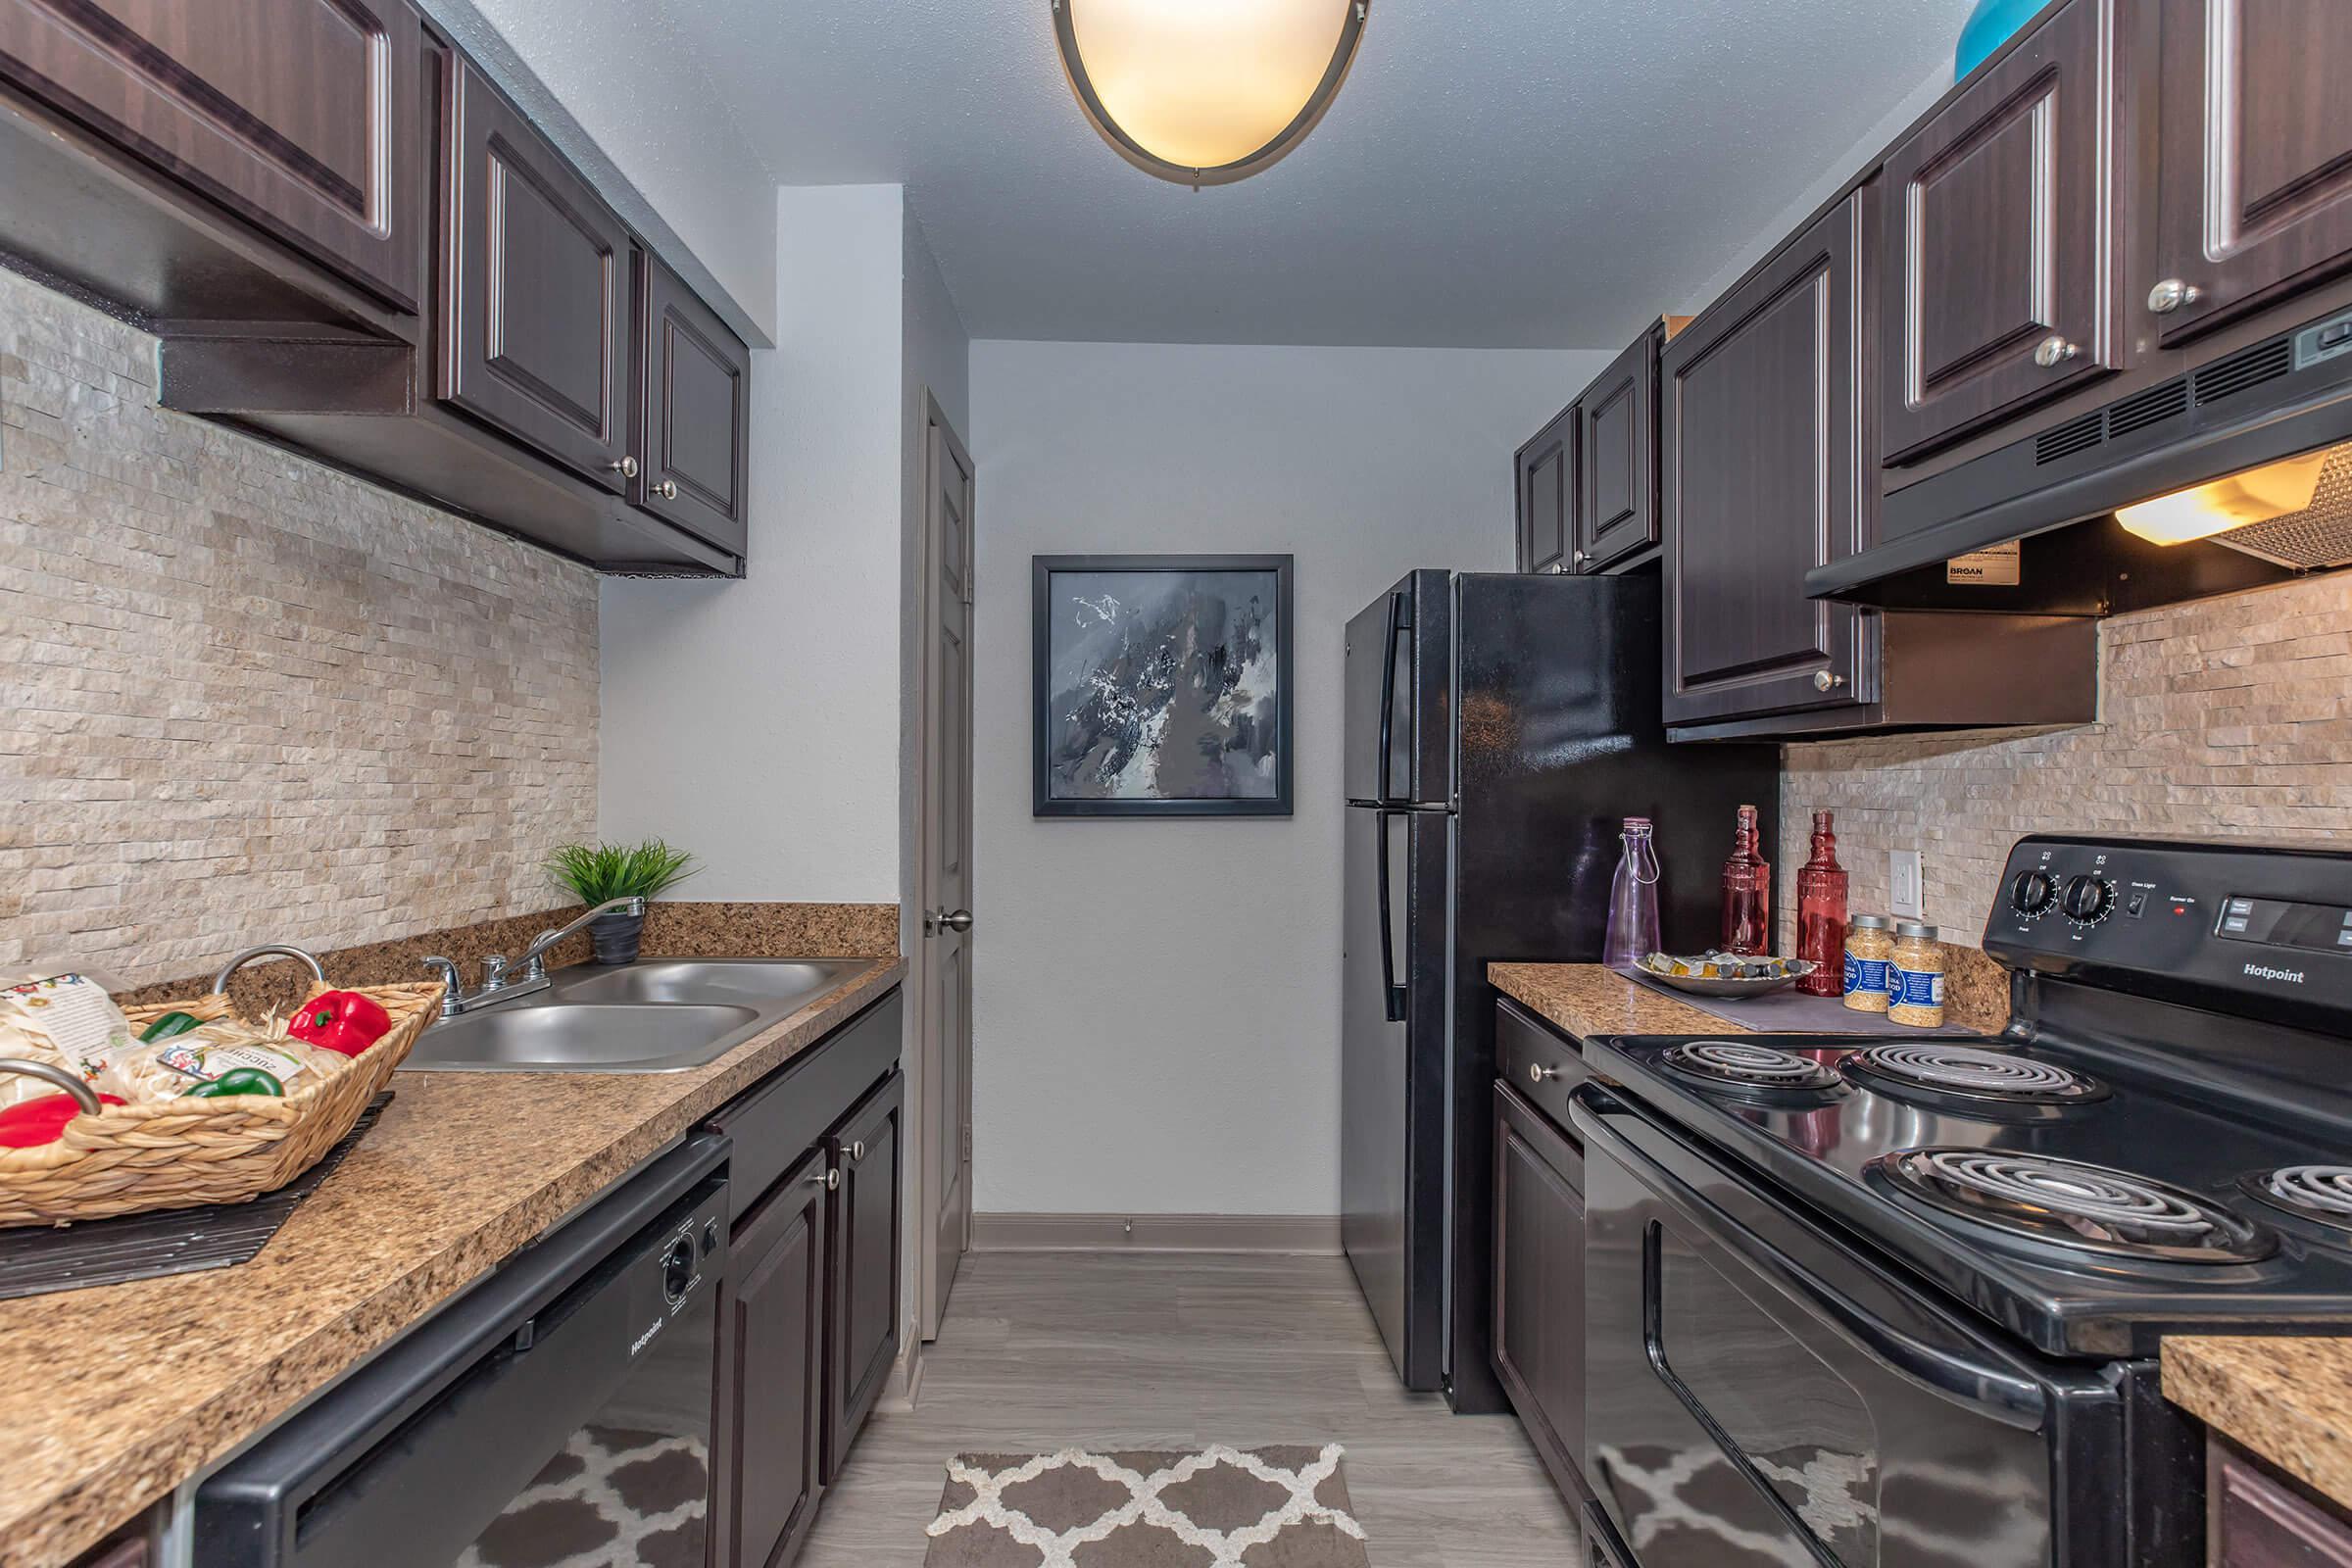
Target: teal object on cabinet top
(1992, 25)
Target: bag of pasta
(223, 1055)
(59, 1020)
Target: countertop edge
(2285, 1398)
(51, 1530)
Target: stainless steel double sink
(659, 1015)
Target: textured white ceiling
(1495, 173)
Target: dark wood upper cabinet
(771, 1374)
(693, 448)
(534, 332)
(1998, 238)
(865, 1247)
(1767, 471)
(300, 117)
(1617, 459)
(2254, 159)
(1540, 1282)
(1544, 477)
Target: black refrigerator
(1499, 731)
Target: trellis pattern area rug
(1281, 1507)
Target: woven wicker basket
(177, 1153)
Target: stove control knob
(2090, 899)
(2033, 893)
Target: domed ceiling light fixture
(1205, 92)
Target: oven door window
(1777, 1411)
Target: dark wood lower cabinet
(766, 1479)
(864, 1248)
(1540, 1282)
(2255, 1519)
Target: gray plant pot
(616, 937)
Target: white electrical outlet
(1906, 896)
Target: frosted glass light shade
(1206, 92)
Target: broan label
(1995, 567)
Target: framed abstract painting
(1163, 685)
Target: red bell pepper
(30, 1123)
(341, 1020)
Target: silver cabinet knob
(858, 1149)
(2171, 294)
(667, 489)
(626, 467)
(956, 920)
(1536, 1072)
(1824, 681)
(1578, 557)
(2053, 351)
(829, 1179)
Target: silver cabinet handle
(2054, 351)
(1578, 557)
(667, 489)
(1536, 1072)
(829, 1179)
(858, 1149)
(1824, 681)
(2171, 294)
(626, 467)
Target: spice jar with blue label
(1915, 976)
(1869, 940)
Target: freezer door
(1392, 1139)
(1399, 741)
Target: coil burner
(1741, 1066)
(1972, 1071)
(2085, 1207)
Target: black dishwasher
(557, 1415)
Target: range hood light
(2258, 495)
(1204, 92)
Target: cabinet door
(1617, 459)
(2253, 1521)
(1546, 486)
(2254, 156)
(1763, 477)
(300, 115)
(1996, 240)
(695, 408)
(1539, 1282)
(535, 321)
(862, 1326)
(772, 1373)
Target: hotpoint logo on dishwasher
(2263, 971)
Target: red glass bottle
(1747, 892)
(1821, 911)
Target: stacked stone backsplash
(248, 696)
(2225, 719)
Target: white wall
(758, 723)
(1156, 1010)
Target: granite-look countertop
(124, 1392)
(2287, 1399)
(1587, 999)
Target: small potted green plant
(596, 873)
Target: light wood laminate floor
(1042, 1351)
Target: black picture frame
(1043, 571)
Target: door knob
(2171, 294)
(667, 489)
(2054, 351)
(958, 921)
(626, 467)
(1824, 681)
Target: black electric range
(1831, 1267)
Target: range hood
(2032, 526)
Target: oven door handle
(1999, 1393)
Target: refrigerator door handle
(1388, 727)
(1392, 995)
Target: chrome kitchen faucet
(532, 965)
